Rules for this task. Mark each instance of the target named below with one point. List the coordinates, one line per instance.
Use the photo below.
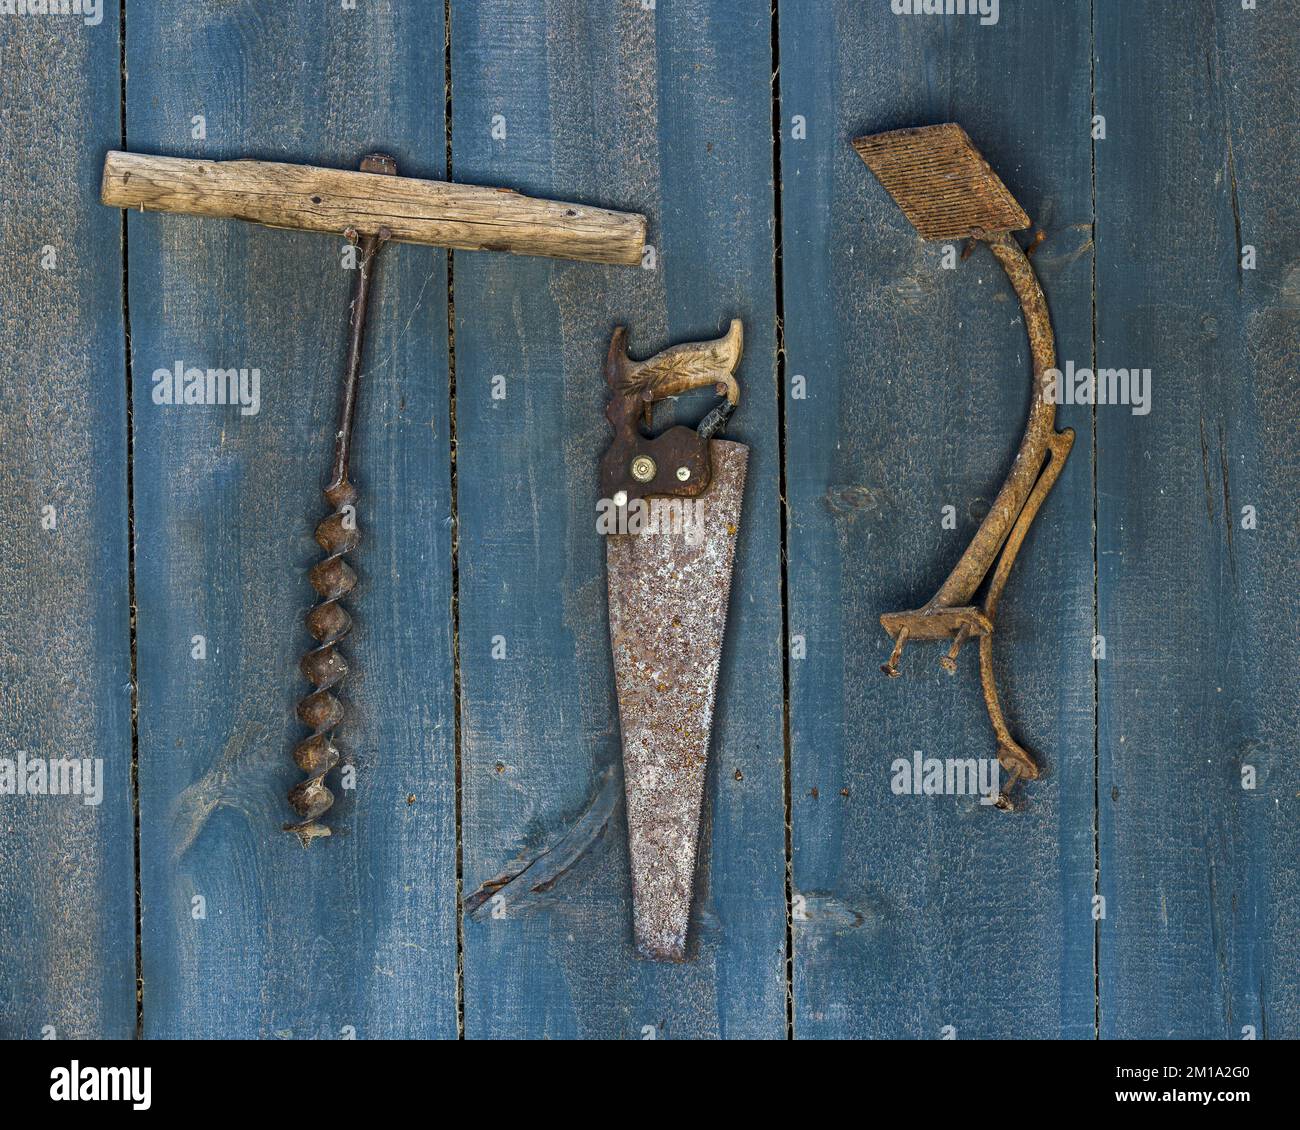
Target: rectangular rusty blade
(941, 182)
(668, 591)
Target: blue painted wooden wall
(155, 556)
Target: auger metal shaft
(332, 577)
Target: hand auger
(369, 208)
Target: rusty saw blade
(674, 505)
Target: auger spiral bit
(324, 666)
(948, 191)
(332, 577)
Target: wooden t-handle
(463, 216)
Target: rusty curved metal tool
(677, 499)
(948, 191)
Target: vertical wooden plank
(67, 897)
(665, 112)
(357, 934)
(919, 916)
(1200, 683)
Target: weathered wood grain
(308, 198)
(1200, 682)
(358, 934)
(665, 112)
(906, 392)
(67, 890)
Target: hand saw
(671, 506)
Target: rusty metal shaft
(1023, 492)
(332, 577)
(1037, 465)
(989, 538)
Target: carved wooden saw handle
(675, 464)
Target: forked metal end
(941, 182)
